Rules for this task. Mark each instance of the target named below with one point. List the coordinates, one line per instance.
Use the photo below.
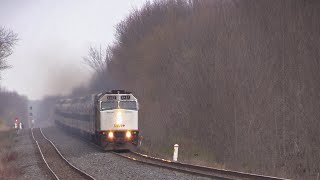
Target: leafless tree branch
(98, 59)
(7, 41)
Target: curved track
(183, 167)
(192, 169)
(58, 166)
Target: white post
(140, 141)
(175, 152)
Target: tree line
(232, 82)
(12, 105)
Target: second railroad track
(57, 165)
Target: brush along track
(58, 166)
(192, 169)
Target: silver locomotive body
(109, 119)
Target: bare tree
(7, 41)
(98, 59)
(235, 81)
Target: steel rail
(86, 175)
(174, 168)
(50, 170)
(82, 173)
(203, 170)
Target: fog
(54, 36)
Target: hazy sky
(54, 36)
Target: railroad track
(183, 167)
(192, 169)
(57, 165)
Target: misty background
(234, 83)
(53, 38)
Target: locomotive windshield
(109, 105)
(132, 105)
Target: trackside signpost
(175, 152)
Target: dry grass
(7, 155)
(3, 127)
(188, 153)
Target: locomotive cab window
(131, 105)
(108, 105)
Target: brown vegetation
(235, 82)
(13, 105)
(7, 155)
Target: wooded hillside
(235, 82)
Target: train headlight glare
(119, 117)
(110, 135)
(128, 134)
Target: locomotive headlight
(110, 135)
(128, 134)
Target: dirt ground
(7, 154)
(19, 158)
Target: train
(109, 119)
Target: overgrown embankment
(7, 155)
(232, 82)
(12, 106)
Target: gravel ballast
(102, 165)
(28, 159)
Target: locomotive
(109, 119)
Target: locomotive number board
(111, 97)
(127, 97)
